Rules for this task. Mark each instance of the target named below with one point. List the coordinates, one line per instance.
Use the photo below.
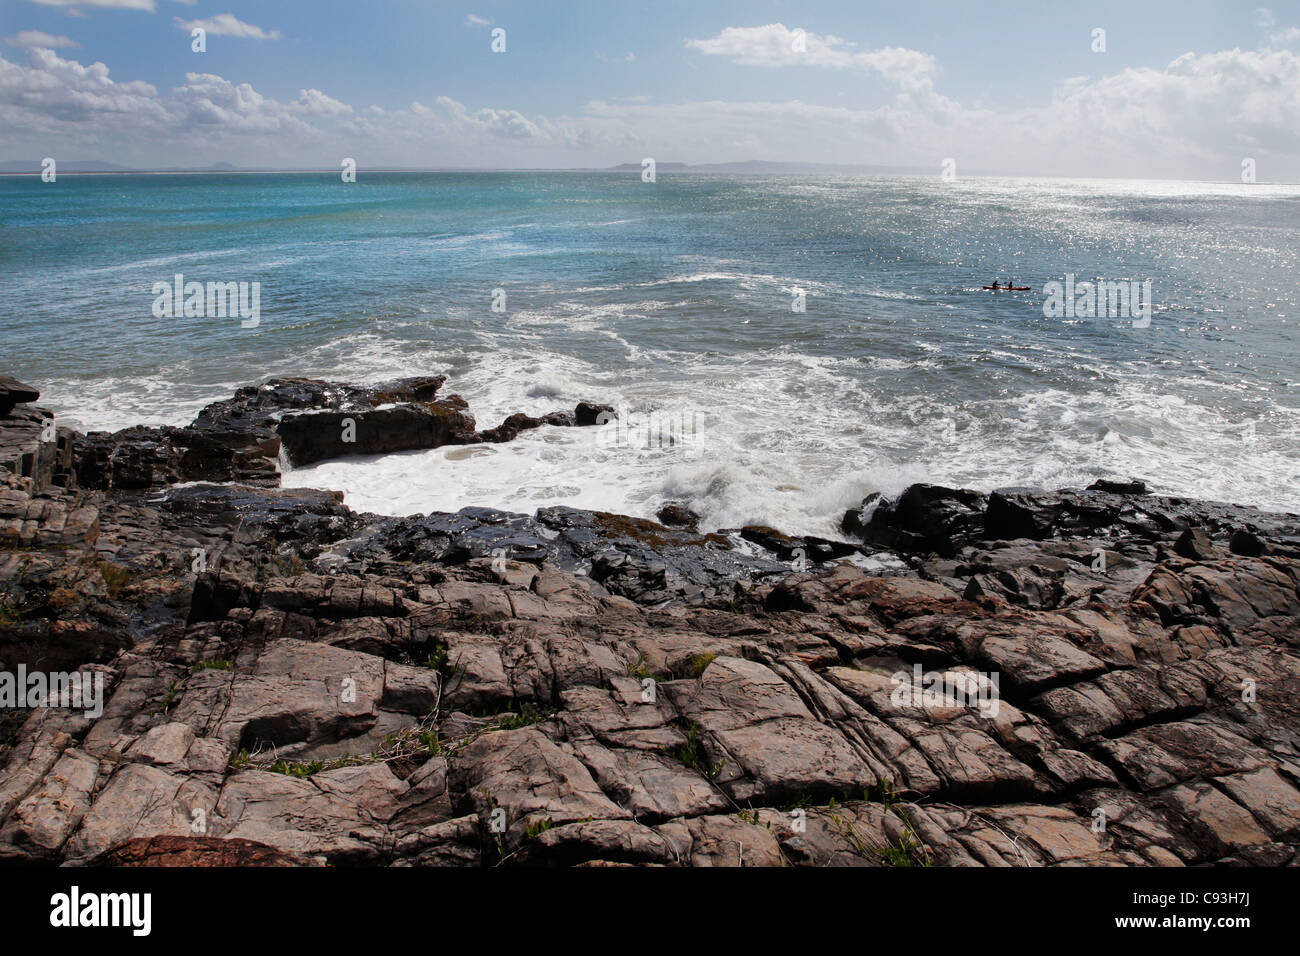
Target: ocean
(678, 302)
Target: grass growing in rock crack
(534, 830)
(753, 818)
(221, 665)
(169, 701)
(639, 670)
(692, 754)
(115, 577)
(439, 661)
(801, 802)
(528, 715)
(699, 664)
(10, 615)
(883, 793)
(293, 768)
(908, 850)
(403, 751)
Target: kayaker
(995, 284)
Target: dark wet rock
(674, 515)
(1131, 487)
(588, 413)
(509, 429)
(242, 438)
(1247, 543)
(1195, 545)
(309, 437)
(14, 392)
(925, 518)
(804, 551)
(1015, 515)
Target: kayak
(1014, 288)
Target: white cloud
(1265, 20)
(1233, 101)
(628, 57)
(776, 45)
(213, 104)
(317, 103)
(27, 39)
(226, 25)
(475, 21)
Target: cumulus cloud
(52, 94)
(212, 103)
(27, 39)
(226, 25)
(1237, 100)
(776, 45)
(317, 103)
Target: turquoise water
(674, 299)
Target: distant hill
(103, 166)
(757, 166)
(69, 166)
(671, 167)
(769, 167)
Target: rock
(587, 413)
(14, 392)
(338, 814)
(674, 515)
(924, 518)
(721, 841)
(1246, 543)
(314, 436)
(802, 550)
(1014, 515)
(1195, 545)
(1131, 487)
(609, 841)
(197, 851)
(528, 777)
(240, 439)
(165, 745)
(33, 448)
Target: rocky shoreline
(288, 682)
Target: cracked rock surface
(290, 683)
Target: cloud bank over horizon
(1197, 116)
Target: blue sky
(1183, 88)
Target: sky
(1150, 89)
